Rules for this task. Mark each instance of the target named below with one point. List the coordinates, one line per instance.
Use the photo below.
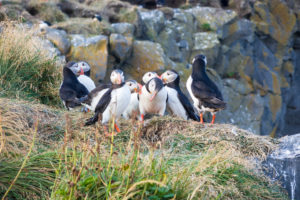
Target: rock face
(93, 50)
(284, 165)
(120, 46)
(59, 39)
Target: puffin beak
(158, 76)
(140, 88)
(119, 79)
(135, 90)
(81, 71)
(155, 93)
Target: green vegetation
(182, 160)
(206, 27)
(25, 70)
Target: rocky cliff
(253, 48)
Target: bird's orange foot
(213, 119)
(117, 128)
(201, 118)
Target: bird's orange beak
(140, 88)
(158, 76)
(81, 71)
(119, 79)
(154, 95)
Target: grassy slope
(167, 158)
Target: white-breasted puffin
(108, 101)
(82, 70)
(153, 98)
(132, 109)
(177, 103)
(205, 94)
(71, 90)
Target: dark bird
(71, 91)
(97, 17)
(205, 94)
(177, 103)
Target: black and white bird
(97, 17)
(148, 76)
(205, 94)
(71, 90)
(109, 101)
(132, 109)
(82, 71)
(178, 103)
(153, 98)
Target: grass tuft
(26, 70)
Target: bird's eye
(82, 64)
(168, 74)
(149, 75)
(130, 84)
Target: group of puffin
(128, 98)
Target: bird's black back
(71, 84)
(183, 99)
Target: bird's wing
(67, 94)
(187, 106)
(209, 95)
(103, 102)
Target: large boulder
(213, 18)
(120, 46)
(59, 38)
(146, 56)
(206, 43)
(283, 165)
(93, 50)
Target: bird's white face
(117, 77)
(148, 76)
(168, 76)
(133, 86)
(152, 86)
(83, 66)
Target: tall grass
(127, 167)
(26, 70)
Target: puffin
(82, 71)
(71, 91)
(148, 76)
(204, 92)
(153, 98)
(84, 76)
(132, 109)
(177, 103)
(108, 101)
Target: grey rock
(283, 165)
(154, 22)
(215, 17)
(206, 43)
(120, 46)
(126, 29)
(59, 38)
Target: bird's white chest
(157, 105)
(87, 82)
(96, 99)
(133, 106)
(174, 103)
(189, 88)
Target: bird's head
(154, 86)
(169, 76)
(117, 76)
(148, 76)
(133, 85)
